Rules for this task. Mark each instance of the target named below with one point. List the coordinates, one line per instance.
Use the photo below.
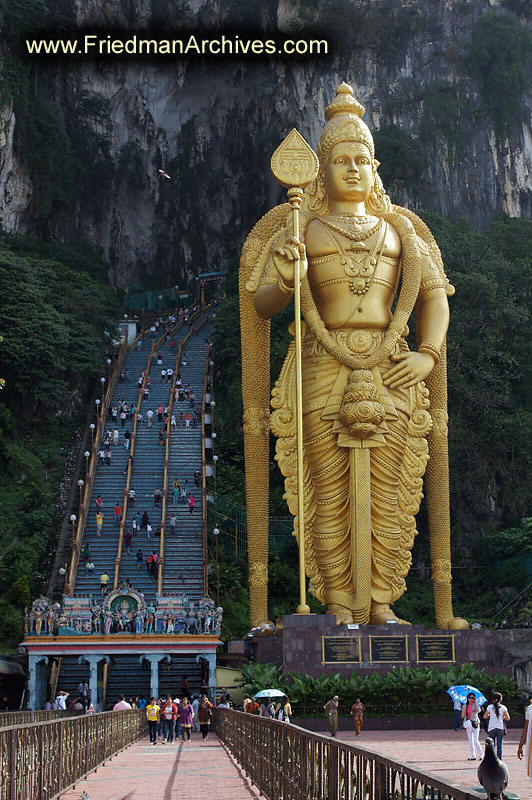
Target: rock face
(15, 185)
(212, 124)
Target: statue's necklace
(360, 265)
(350, 229)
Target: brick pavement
(199, 769)
(444, 753)
(188, 771)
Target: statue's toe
(381, 614)
(457, 624)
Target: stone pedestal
(300, 648)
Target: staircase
(183, 556)
(72, 673)
(183, 552)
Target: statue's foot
(343, 615)
(381, 613)
(456, 624)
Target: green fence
(230, 519)
(155, 299)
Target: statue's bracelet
(432, 350)
(283, 287)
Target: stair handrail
(165, 472)
(203, 471)
(160, 565)
(130, 467)
(84, 508)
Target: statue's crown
(344, 123)
(344, 103)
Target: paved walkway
(198, 769)
(188, 771)
(444, 753)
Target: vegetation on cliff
(53, 318)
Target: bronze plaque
(434, 649)
(388, 648)
(340, 650)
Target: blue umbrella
(460, 693)
(269, 693)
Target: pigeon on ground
(492, 772)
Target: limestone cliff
(212, 124)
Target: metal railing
(203, 470)
(10, 718)
(129, 470)
(160, 565)
(41, 760)
(289, 763)
(231, 519)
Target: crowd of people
(278, 708)
(171, 719)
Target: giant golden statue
(373, 410)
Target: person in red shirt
(252, 707)
(127, 540)
(118, 513)
(168, 716)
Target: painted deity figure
(150, 619)
(367, 412)
(37, 615)
(50, 622)
(108, 622)
(139, 622)
(97, 618)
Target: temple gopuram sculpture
(373, 411)
(123, 610)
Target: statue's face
(349, 172)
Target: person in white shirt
(149, 416)
(60, 701)
(163, 375)
(497, 714)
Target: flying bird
(164, 174)
(492, 773)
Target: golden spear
(295, 165)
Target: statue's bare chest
(353, 270)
